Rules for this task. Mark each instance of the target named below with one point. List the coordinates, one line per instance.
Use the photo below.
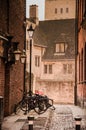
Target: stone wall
(60, 92)
(53, 9)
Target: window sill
(59, 53)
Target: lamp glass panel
(30, 33)
(23, 59)
(17, 56)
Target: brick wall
(81, 64)
(3, 14)
(13, 16)
(2, 72)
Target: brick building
(81, 53)
(12, 16)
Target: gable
(56, 31)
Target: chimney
(34, 14)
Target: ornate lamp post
(30, 32)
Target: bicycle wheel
(24, 106)
(40, 107)
(16, 109)
(50, 104)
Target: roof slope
(53, 31)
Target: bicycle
(35, 102)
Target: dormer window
(60, 48)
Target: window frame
(48, 68)
(67, 68)
(61, 10)
(59, 48)
(56, 10)
(37, 60)
(67, 10)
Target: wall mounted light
(23, 57)
(2, 41)
(9, 50)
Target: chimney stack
(34, 13)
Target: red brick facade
(12, 76)
(2, 73)
(81, 57)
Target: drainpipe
(76, 51)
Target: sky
(41, 7)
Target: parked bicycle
(35, 102)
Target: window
(67, 68)
(37, 61)
(55, 10)
(45, 69)
(48, 69)
(67, 10)
(61, 10)
(60, 47)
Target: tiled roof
(50, 32)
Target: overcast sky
(41, 7)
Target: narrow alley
(62, 118)
(42, 62)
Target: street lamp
(30, 32)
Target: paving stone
(62, 118)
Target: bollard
(30, 123)
(78, 123)
(1, 112)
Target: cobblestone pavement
(63, 118)
(20, 122)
